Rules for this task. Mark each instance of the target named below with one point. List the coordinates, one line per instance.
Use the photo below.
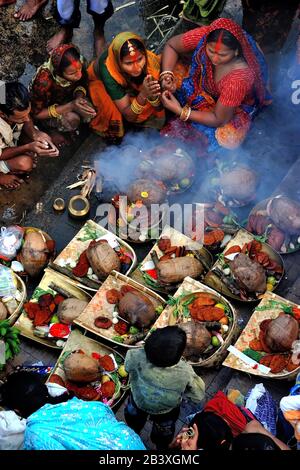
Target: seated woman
(218, 424)
(58, 93)
(62, 422)
(124, 87)
(225, 88)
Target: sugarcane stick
(228, 283)
(60, 290)
(135, 338)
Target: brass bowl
(78, 206)
(59, 204)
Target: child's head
(24, 392)
(214, 432)
(254, 441)
(16, 108)
(67, 63)
(165, 346)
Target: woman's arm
(218, 117)
(255, 426)
(150, 91)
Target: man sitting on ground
(16, 127)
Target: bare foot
(10, 181)
(64, 35)
(99, 42)
(29, 9)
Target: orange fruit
(224, 320)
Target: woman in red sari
(226, 86)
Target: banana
(3, 331)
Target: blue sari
(78, 425)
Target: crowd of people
(213, 101)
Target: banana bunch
(10, 336)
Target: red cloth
(235, 87)
(224, 408)
(191, 39)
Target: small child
(159, 377)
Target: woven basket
(77, 246)
(99, 306)
(26, 325)
(177, 239)
(77, 340)
(22, 288)
(251, 332)
(240, 238)
(189, 286)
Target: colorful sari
(243, 89)
(48, 88)
(108, 83)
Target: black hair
(136, 43)
(253, 441)
(16, 98)
(228, 39)
(68, 57)
(214, 432)
(165, 346)
(25, 392)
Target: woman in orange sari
(124, 87)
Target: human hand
(190, 442)
(150, 88)
(43, 149)
(170, 102)
(44, 138)
(82, 107)
(168, 83)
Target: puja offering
(93, 254)
(139, 216)
(235, 185)
(172, 165)
(270, 343)
(92, 371)
(49, 315)
(213, 225)
(277, 221)
(122, 311)
(12, 295)
(171, 259)
(27, 250)
(208, 319)
(246, 269)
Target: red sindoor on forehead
(219, 42)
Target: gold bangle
(52, 112)
(80, 88)
(155, 102)
(185, 113)
(136, 107)
(167, 72)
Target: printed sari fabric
(243, 89)
(48, 88)
(107, 83)
(78, 425)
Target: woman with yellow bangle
(124, 87)
(59, 93)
